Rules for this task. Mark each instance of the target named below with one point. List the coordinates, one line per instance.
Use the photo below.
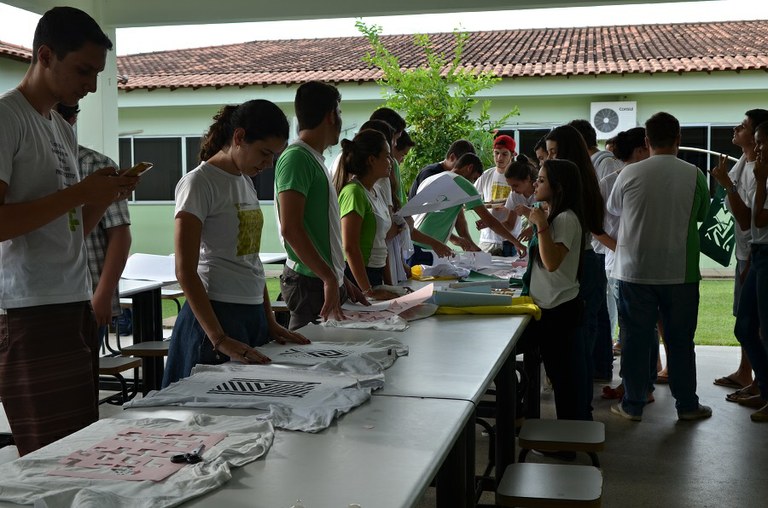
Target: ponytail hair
(522, 168)
(625, 142)
(260, 119)
(355, 153)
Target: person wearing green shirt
(365, 218)
(441, 224)
(313, 282)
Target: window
(172, 156)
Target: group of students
(591, 220)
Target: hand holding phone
(138, 169)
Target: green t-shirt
(353, 198)
(401, 194)
(298, 170)
(439, 224)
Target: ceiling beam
(135, 13)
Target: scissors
(192, 457)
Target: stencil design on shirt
(250, 224)
(265, 387)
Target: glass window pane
(528, 140)
(193, 152)
(264, 183)
(694, 137)
(124, 153)
(159, 183)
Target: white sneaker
(699, 413)
(618, 409)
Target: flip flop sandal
(738, 395)
(728, 381)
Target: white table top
(129, 287)
(383, 454)
(271, 258)
(450, 357)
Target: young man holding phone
(48, 345)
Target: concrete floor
(660, 462)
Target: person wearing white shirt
(739, 183)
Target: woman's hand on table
(381, 294)
(241, 352)
(282, 335)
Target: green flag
(716, 232)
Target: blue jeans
(612, 298)
(592, 287)
(752, 316)
(639, 308)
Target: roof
(611, 50)
(15, 52)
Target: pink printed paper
(135, 454)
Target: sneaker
(695, 414)
(618, 409)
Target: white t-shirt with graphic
(38, 157)
(492, 186)
(228, 207)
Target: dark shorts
(49, 372)
(304, 297)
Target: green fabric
(716, 233)
(699, 210)
(354, 199)
(401, 194)
(298, 170)
(439, 224)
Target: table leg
(506, 384)
(454, 481)
(148, 326)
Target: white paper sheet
(441, 193)
(396, 305)
(150, 267)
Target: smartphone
(138, 169)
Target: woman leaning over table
(217, 239)
(365, 217)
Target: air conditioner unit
(610, 118)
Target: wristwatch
(733, 189)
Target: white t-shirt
(550, 289)
(228, 207)
(743, 176)
(659, 201)
(610, 221)
(38, 157)
(605, 163)
(513, 200)
(492, 186)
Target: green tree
(438, 100)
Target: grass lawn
(715, 311)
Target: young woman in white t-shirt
(217, 240)
(553, 282)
